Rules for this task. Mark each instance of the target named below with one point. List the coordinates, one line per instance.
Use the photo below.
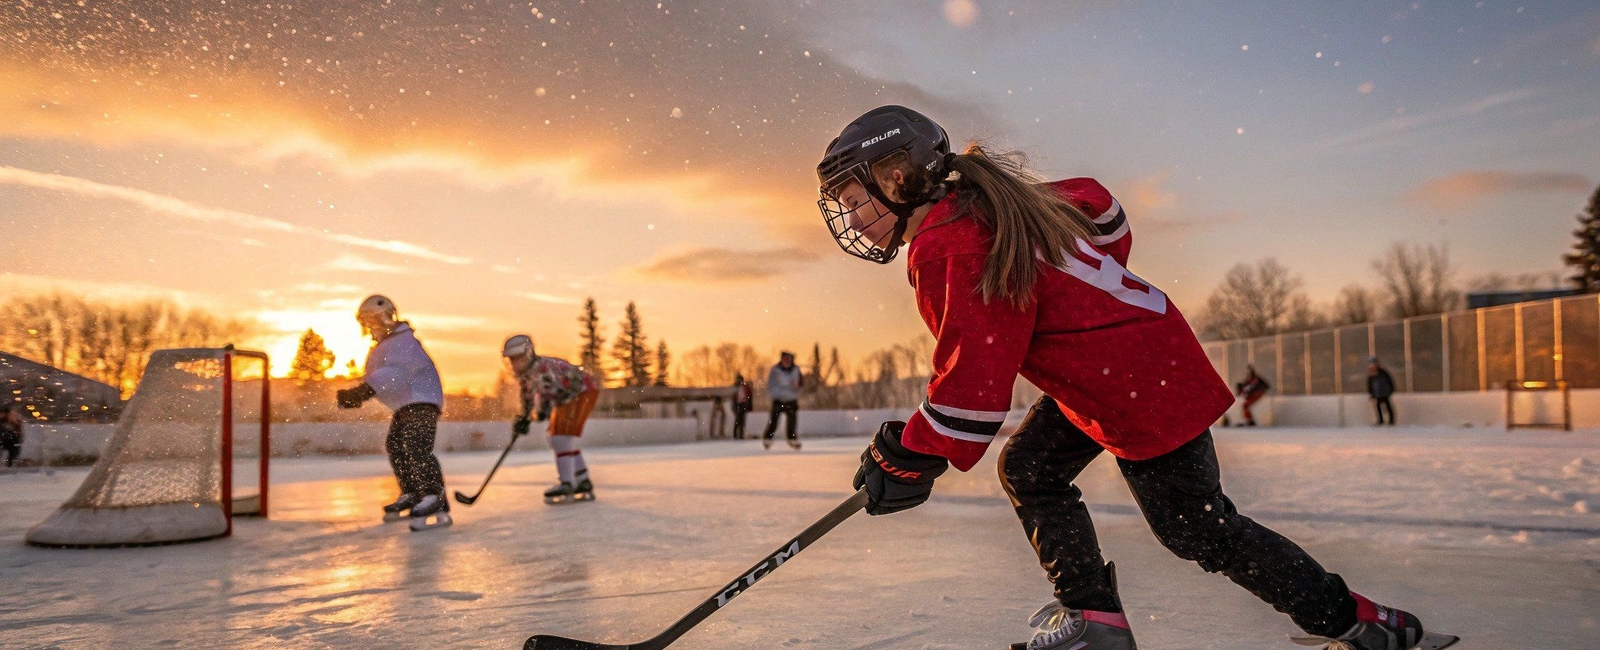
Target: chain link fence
(1473, 350)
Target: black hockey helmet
(881, 132)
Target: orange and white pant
(566, 426)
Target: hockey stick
(745, 580)
(466, 500)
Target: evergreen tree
(663, 363)
(589, 336)
(1585, 255)
(816, 378)
(313, 359)
(630, 351)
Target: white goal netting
(160, 476)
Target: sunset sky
(490, 165)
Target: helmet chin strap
(902, 212)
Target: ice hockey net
(167, 474)
(1538, 405)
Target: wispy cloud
(723, 266)
(1385, 132)
(1465, 188)
(359, 264)
(1155, 208)
(175, 207)
(550, 298)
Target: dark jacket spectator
(1380, 385)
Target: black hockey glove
(544, 411)
(350, 398)
(521, 426)
(896, 478)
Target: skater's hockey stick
(466, 500)
(745, 580)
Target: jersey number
(1110, 277)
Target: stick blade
(547, 642)
(1432, 641)
(464, 499)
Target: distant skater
(563, 394)
(1253, 388)
(11, 432)
(1380, 385)
(402, 376)
(783, 386)
(743, 404)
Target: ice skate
(766, 443)
(584, 491)
(794, 444)
(563, 492)
(397, 510)
(439, 519)
(432, 508)
(1381, 628)
(1058, 627)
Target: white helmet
(377, 316)
(519, 346)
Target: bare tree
(1256, 300)
(1355, 304)
(1419, 279)
(1531, 281)
(107, 342)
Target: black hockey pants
(789, 409)
(410, 447)
(1181, 496)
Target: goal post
(167, 472)
(1538, 405)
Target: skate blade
(1430, 641)
(391, 517)
(440, 520)
(556, 501)
(586, 496)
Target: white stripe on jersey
(1119, 233)
(966, 414)
(952, 433)
(1110, 213)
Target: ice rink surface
(1484, 534)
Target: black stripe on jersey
(974, 427)
(1110, 226)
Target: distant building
(50, 395)
(1483, 299)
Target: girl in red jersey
(1018, 277)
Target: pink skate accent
(1106, 618)
(1371, 612)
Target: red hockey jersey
(1106, 345)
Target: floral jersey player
(550, 382)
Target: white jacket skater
(402, 376)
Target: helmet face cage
(849, 225)
(880, 133)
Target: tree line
(104, 341)
(1266, 297)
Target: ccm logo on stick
(879, 138)
(746, 581)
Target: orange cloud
(730, 107)
(723, 266)
(1465, 188)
